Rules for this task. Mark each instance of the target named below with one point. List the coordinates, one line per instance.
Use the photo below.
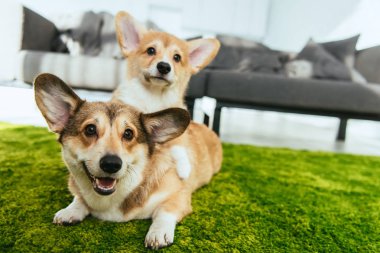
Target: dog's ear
(166, 125)
(56, 101)
(202, 52)
(128, 32)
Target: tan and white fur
(118, 159)
(159, 68)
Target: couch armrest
(368, 63)
(88, 72)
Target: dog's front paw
(67, 217)
(184, 170)
(159, 237)
(72, 214)
(182, 160)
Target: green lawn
(263, 200)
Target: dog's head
(104, 142)
(159, 58)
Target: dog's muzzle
(159, 79)
(102, 185)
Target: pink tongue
(106, 182)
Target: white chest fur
(108, 207)
(148, 99)
(114, 213)
(146, 211)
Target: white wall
(282, 24)
(364, 20)
(185, 18)
(292, 22)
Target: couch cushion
(324, 64)
(103, 73)
(271, 90)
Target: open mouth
(102, 185)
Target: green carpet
(263, 200)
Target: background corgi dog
(159, 68)
(117, 170)
(159, 65)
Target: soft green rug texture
(263, 200)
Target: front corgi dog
(118, 159)
(159, 65)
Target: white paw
(66, 217)
(184, 170)
(159, 237)
(182, 161)
(71, 215)
(161, 232)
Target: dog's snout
(163, 67)
(111, 163)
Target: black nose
(163, 67)
(110, 163)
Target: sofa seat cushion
(88, 72)
(323, 96)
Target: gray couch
(342, 99)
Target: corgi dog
(159, 69)
(118, 161)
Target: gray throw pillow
(40, 34)
(343, 50)
(228, 57)
(324, 65)
(88, 33)
(259, 60)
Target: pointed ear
(128, 32)
(166, 125)
(202, 52)
(56, 101)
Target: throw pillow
(40, 34)
(228, 57)
(299, 69)
(259, 60)
(344, 50)
(324, 65)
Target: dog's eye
(177, 57)
(128, 134)
(151, 51)
(90, 130)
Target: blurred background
(301, 73)
(280, 24)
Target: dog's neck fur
(149, 99)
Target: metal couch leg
(342, 129)
(216, 123)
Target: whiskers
(131, 173)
